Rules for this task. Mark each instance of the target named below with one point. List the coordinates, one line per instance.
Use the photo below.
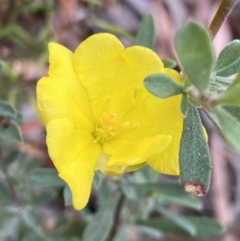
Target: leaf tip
(195, 188)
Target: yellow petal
(116, 74)
(61, 95)
(75, 156)
(96, 62)
(129, 152)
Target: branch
(222, 13)
(116, 221)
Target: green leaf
(99, 227)
(146, 33)
(228, 61)
(184, 105)
(234, 111)
(67, 194)
(171, 191)
(7, 110)
(163, 86)
(180, 221)
(68, 231)
(169, 63)
(5, 193)
(46, 177)
(11, 157)
(10, 131)
(222, 83)
(1, 66)
(206, 227)
(229, 127)
(195, 53)
(195, 161)
(231, 95)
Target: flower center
(105, 128)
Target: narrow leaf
(10, 131)
(231, 95)
(46, 177)
(67, 194)
(228, 61)
(195, 53)
(179, 220)
(195, 162)
(206, 227)
(99, 227)
(184, 105)
(146, 33)
(169, 63)
(163, 86)
(223, 83)
(234, 111)
(7, 110)
(1, 66)
(229, 127)
(171, 191)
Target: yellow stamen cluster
(106, 128)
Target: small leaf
(234, 111)
(1, 66)
(228, 61)
(206, 227)
(163, 86)
(229, 127)
(169, 63)
(99, 227)
(67, 194)
(171, 191)
(179, 220)
(223, 83)
(231, 95)
(146, 33)
(195, 53)
(10, 131)
(184, 105)
(7, 110)
(46, 177)
(195, 161)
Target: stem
(116, 221)
(222, 13)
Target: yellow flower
(99, 116)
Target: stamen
(106, 127)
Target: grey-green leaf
(195, 161)
(231, 95)
(234, 111)
(184, 107)
(169, 63)
(162, 85)
(223, 83)
(10, 131)
(7, 110)
(171, 191)
(228, 61)
(98, 229)
(146, 33)
(206, 227)
(179, 220)
(46, 177)
(229, 127)
(1, 66)
(195, 53)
